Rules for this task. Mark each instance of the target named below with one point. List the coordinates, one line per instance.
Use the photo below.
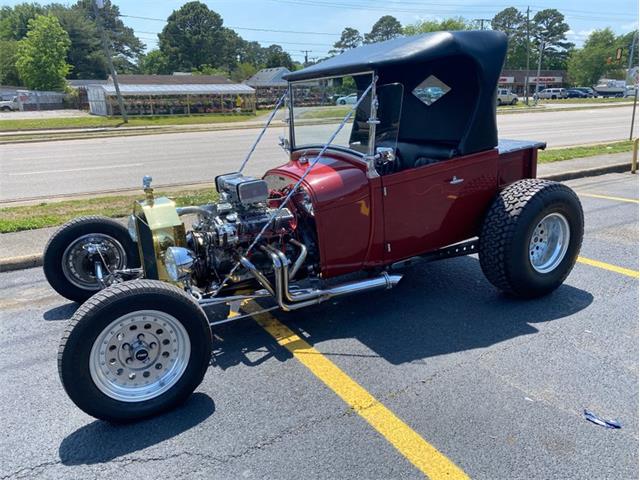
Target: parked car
(630, 90)
(412, 182)
(551, 93)
(348, 99)
(506, 97)
(588, 90)
(10, 105)
(575, 93)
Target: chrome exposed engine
(225, 230)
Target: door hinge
(384, 191)
(389, 247)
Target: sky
(314, 25)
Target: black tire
(6, 109)
(509, 226)
(514, 101)
(553, 97)
(70, 232)
(499, 102)
(342, 102)
(97, 314)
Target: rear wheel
(514, 101)
(72, 252)
(6, 109)
(531, 237)
(134, 350)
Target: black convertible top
(468, 62)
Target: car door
(435, 205)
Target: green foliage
(14, 22)
(385, 28)
(427, 26)
(275, 56)
(349, 39)
(596, 59)
(192, 37)
(41, 55)
(550, 30)
(513, 24)
(243, 71)
(8, 71)
(153, 63)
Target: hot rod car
(414, 171)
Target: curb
(589, 172)
(32, 261)
(20, 263)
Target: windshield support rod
(294, 189)
(264, 129)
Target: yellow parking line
(608, 197)
(607, 266)
(419, 452)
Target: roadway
(482, 384)
(47, 169)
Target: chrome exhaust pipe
(304, 298)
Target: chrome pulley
(91, 257)
(139, 356)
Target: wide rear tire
(134, 350)
(531, 237)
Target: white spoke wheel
(549, 243)
(531, 237)
(134, 350)
(139, 356)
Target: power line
(260, 41)
(240, 28)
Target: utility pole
(98, 4)
(635, 96)
(306, 56)
(526, 77)
(482, 20)
(538, 74)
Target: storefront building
(517, 79)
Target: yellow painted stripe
(419, 452)
(607, 266)
(607, 197)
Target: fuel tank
(345, 205)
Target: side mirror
(284, 143)
(385, 154)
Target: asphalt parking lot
(441, 376)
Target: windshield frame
(372, 124)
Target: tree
(427, 26)
(385, 28)
(243, 71)
(350, 38)
(193, 36)
(513, 24)
(596, 59)
(123, 42)
(14, 22)
(154, 63)
(41, 55)
(550, 29)
(8, 71)
(277, 57)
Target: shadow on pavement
(438, 308)
(100, 442)
(61, 312)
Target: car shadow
(100, 442)
(61, 312)
(437, 309)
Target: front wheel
(531, 237)
(79, 247)
(134, 350)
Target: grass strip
(49, 214)
(96, 122)
(559, 154)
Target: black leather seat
(413, 155)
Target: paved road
(78, 166)
(496, 385)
